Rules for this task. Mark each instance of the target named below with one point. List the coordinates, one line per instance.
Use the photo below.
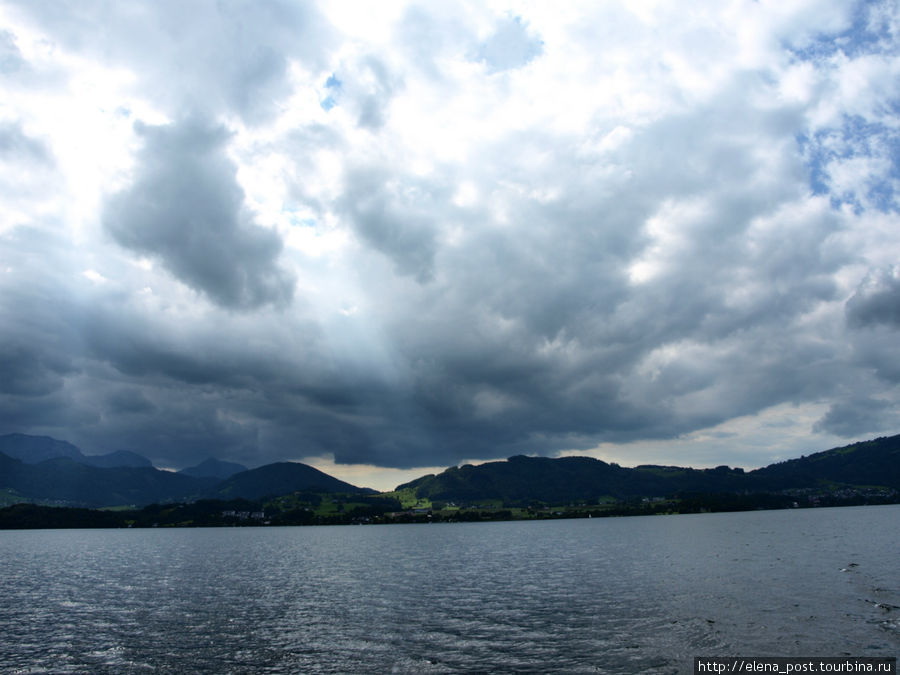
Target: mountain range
(873, 464)
(34, 449)
(43, 469)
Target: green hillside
(518, 480)
(281, 478)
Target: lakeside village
(349, 509)
(346, 509)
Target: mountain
(34, 449)
(67, 477)
(281, 478)
(41, 468)
(214, 468)
(64, 480)
(869, 463)
(874, 463)
(523, 479)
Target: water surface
(617, 595)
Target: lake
(612, 595)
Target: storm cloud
(186, 209)
(877, 300)
(423, 235)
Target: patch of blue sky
(883, 194)
(296, 215)
(855, 138)
(816, 159)
(299, 221)
(330, 101)
(868, 33)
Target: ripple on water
(624, 595)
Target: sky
(386, 238)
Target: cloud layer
(425, 234)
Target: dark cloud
(857, 417)
(524, 337)
(129, 401)
(396, 217)
(185, 209)
(179, 427)
(26, 371)
(876, 300)
(38, 330)
(40, 349)
(161, 354)
(533, 335)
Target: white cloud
(94, 276)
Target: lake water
(616, 595)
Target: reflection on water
(619, 595)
